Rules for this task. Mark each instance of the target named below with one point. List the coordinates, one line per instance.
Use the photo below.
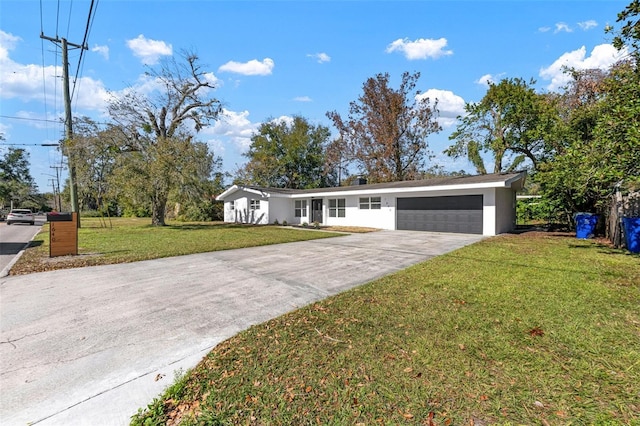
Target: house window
(373, 203)
(255, 205)
(337, 207)
(301, 208)
(232, 205)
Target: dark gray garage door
(461, 214)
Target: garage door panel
(457, 214)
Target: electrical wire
(57, 18)
(41, 120)
(69, 20)
(84, 47)
(44, 80)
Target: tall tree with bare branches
(385, 133)
(159, 127)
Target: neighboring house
(483, 204)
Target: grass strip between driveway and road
(122, 240)
(518, 329)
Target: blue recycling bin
(631, 226)
(585, 225)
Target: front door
(316, 210)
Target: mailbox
(63, 234)
(59, 217)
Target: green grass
(529, 329)
(130, 240)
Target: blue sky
(273, 59)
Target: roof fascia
(483, 185)
(236, 188)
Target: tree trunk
(158, 208)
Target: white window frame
(232, 205)
(254, 205)
(337, 207)
(370, 203)
(300, 208)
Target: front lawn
(128, 240)
(517, 329)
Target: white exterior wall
(281, 209)
(498, 206)
(489, 212)
(385, 218)
(241, 212)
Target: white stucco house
(482, 204)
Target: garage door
(461, 214)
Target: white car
(20, 216)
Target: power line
(29, 144)
(42, 120)
(84, 43)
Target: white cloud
(7, 42)
(302, 99)
(587, 25)
(602, 57)
(148, 50)
(320, 57)
(421, 48)
(450, 105)
(253, 67)
(4, 130)
(102, 51)
(487, 79)
(561, 26)
(235, 127)
(544, 29)
(283, 119)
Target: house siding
(498, 202)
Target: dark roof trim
(506, 178)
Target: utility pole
(57, 168)
(68, 120)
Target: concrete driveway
(92, 345)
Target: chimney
(360, 180)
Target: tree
(94, 151)
(16, 183)
(158, 131)
(603, 144)
(511, 122)
(287, 154)
(385, 133)
(629, 34)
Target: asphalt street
(13, 238)
(93, 345)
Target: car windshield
(21, 211)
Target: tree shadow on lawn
(200, 226)
(507, 263)
(602, 248)
(601, 244)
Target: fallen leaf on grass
(536, 331)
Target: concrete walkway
(92, 345)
